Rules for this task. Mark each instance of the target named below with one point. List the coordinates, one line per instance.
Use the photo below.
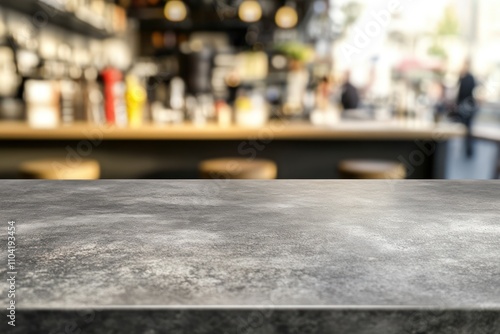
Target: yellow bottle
(135, 97)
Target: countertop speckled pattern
(280, 244)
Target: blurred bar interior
(296, 89)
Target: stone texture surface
(350, 256)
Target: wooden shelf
(55, 16)
(273, 131)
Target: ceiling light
(175, 10)
(250, 11)
(287, 17)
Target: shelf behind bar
(44, 13)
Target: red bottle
(112, 79)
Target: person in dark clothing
(441, 106)
(350, 95)
(466, 104)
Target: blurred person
(323, 93)
(466, 104)
(439, 100)
(349, 96)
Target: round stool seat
(371, 169)
(60, 169)
(238, 169)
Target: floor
(481, 167)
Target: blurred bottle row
(53, 75)
(101, 15)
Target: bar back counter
(254, 256)
(301, 150)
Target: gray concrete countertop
(244, 245)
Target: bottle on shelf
(135, 99)
(10, 107)
(42, 103)
(250, 107)
(224, 114)
(93, 98)
(68, 91)
(114, 97)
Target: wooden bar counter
(277, 130)
(301, 150)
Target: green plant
(296, 51)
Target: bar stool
(60, 169)
(371, 169)
(238, 169)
